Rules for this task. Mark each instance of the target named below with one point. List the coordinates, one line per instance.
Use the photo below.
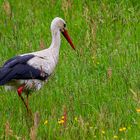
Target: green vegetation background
(98, 85)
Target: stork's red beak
(66, 35)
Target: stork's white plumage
(29, 71)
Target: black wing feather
(17, 59)
(17, 68)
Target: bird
(28, 72)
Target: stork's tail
(4, 75)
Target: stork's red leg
(27, 97)
(20, 90)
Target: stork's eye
(64, 24)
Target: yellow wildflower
(138, 110)
(115, 137)
(46, 122)
(60, 121)
(62, 117)
(103, 132)
(122, 129)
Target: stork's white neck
(55, 45)
(56, 41)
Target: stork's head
(60, 24)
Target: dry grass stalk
(81, 122)
(136, 96)
(81, 51)
(7, 8)
(86, 14)
(8, 130)
(93, 30)
(109, 73)
(36, 119)
(33, 131)
(65, 116)
(42, 44)
(23, 138)
(66, 5)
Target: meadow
(94, 92)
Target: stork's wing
(17, 59)
(17, 68)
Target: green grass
(106, 35)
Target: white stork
(30, 71)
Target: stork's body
(30, 71)
(35, 68)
